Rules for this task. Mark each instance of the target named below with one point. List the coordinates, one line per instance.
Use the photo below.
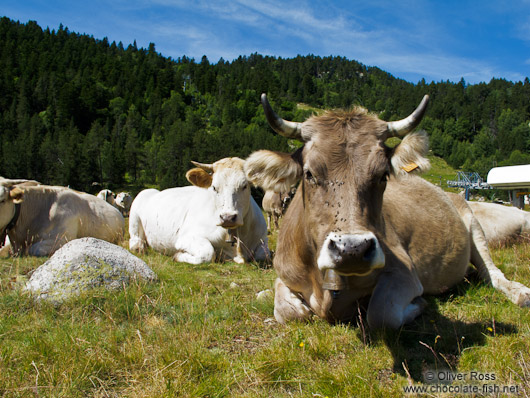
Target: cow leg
(194, 250)
(239, 257)
(261, 252)
(289, 305)
(45, 247)
(137, 241)
(488, 271)
(396, 300)
(480, 257)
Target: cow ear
(16, 195)
(273, 171)
(410, 155)
(199, 177)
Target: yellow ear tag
(410, 167)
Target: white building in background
(515, 179)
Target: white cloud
(407, 38)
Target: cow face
(229, 186)
(124, 200)
(343, 167)
(9, 196)
(107, 195)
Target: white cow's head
(124, 200)
(9, 196)
(226, 180)
(107, 195)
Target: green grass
(194, 334)
(439, 173)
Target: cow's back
(51, 216)
(430, 229)
(95, 218)
(166, 215)
(500, 222)
(272, 202)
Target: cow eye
(214, 189)
(384, 177)
(245, 187)
(309, 177)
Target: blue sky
(411, 39)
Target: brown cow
(360, 226)
(39, 219)
(275, 204)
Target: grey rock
(83, 264)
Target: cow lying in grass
(275, 204)
(359, 226)
(39, 219)
(501, 223)
(217, 218)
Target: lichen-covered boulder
(83, 264)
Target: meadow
(200, 331)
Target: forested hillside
(75, 110)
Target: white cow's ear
(273, 171)
(16, 195)
(410, 155)
(199, 177)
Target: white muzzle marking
(363, 249)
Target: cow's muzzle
(229, 220)
(351, 254)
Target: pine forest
(82, 112)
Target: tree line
(83, 112)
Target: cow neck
(10, 225)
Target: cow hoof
(523, 298)
(239, 259)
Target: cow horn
(283, 127)
(400, 128)
(208, 167)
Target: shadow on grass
(433, 342)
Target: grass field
(200, 331)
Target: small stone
(264, 295)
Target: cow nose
(351, 253)
(228, 219)
(353, 246)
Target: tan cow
(275, 204)
(501, 223)
(359, 226)
(39, 219)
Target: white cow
(39, 219)
(217, 218)
(108, 196)
(123, 203)
(501, 223)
